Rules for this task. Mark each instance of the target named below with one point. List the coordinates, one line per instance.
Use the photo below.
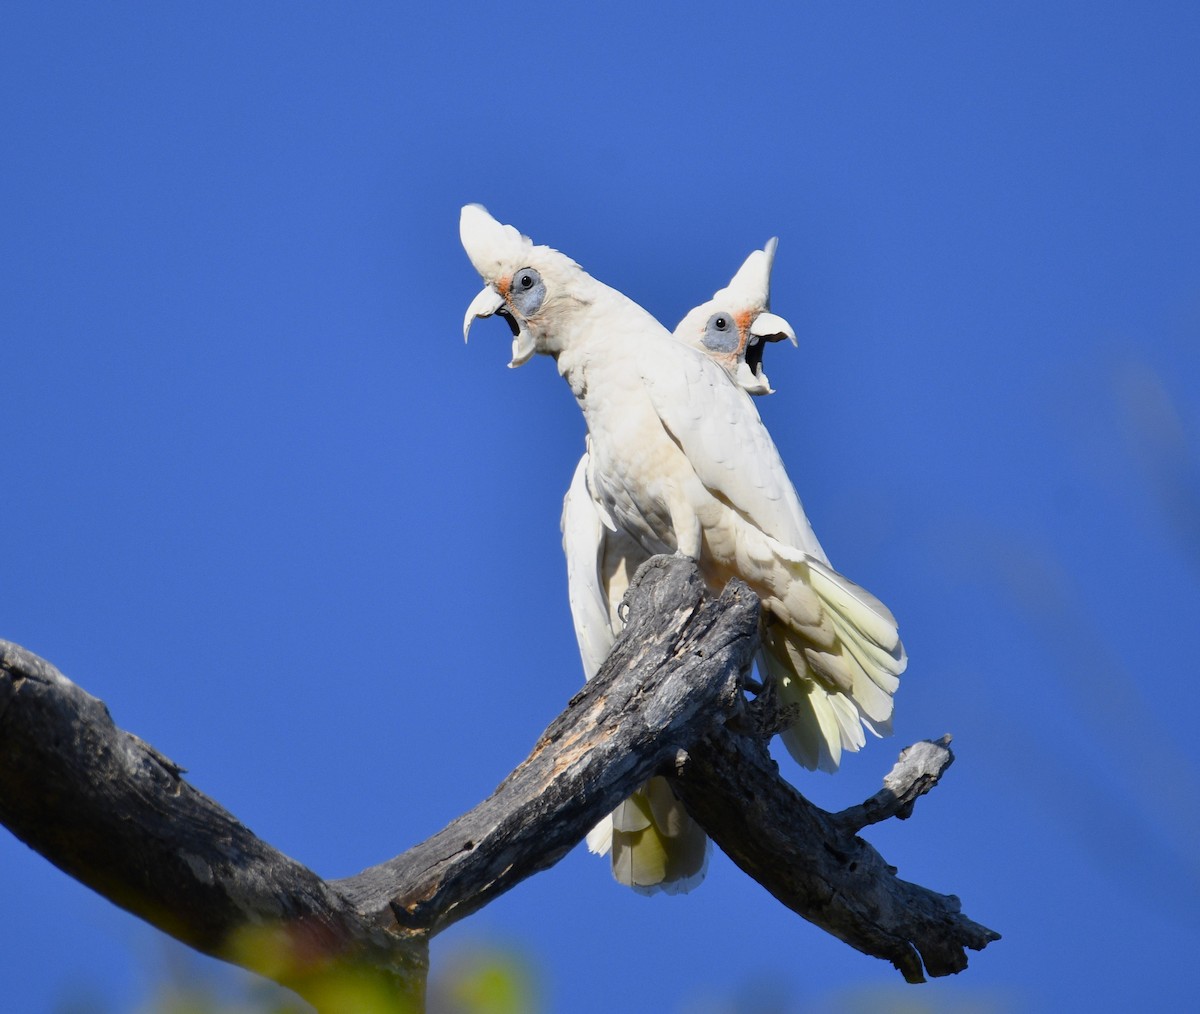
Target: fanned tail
(834, 652)
(824, 723)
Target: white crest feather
(494, 249)
(751, 286)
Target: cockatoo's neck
(608, 329)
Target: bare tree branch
(673, 674)
(115, 814)
(813, 862)
(915, 773)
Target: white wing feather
(717, 426)
(584, 544)
(837, 655)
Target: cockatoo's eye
(527, 291)
(720, 335)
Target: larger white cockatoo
(655, 844)
(680, 462)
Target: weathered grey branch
(673, 674)
(814, 863)
(113, 812)
(916, 772)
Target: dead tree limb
(676, 670)
(114, 813)
(815, 864)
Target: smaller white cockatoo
(735, 326)
(680, 462)
(654, 842)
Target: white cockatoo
(734, 327)
(655, 844)
(679, 462)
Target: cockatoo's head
(525, 284)
(734, 326)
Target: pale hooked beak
(771, 327)
(483, 305)
(489, 302)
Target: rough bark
(813, 861)
(116, 814)
(674, 672)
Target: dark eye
(528, 291)
(719, 334)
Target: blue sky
(262, 500)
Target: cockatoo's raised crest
(491, 246)
(734, 326)
(752, 283)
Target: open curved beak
(490, 302)
(771, 327)
(766, 327)
(484, 305)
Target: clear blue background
(260, 498)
